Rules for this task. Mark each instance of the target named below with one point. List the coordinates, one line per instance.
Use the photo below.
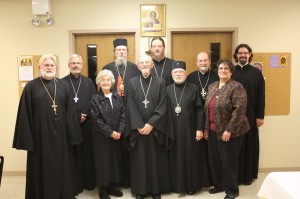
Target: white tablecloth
(281, 185)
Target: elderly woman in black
(225, 110)
(108, 122)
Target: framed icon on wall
(153, 20)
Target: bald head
(203, 62)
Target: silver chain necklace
(178, 108)
(145, 101)
(76, 92)
(162, 71)
(203, 93)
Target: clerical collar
(160, 61)
(206, 73)
(146, 79)
(180, 85)
(73, 76)
(243, 65)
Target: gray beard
(121, 61)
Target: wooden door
(186, 45)
(103, 46)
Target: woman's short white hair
(104, 73)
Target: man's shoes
(139, 196)
(114, 192)
(156, 196)
(231, 196)
(103, 194)
(191, 192)
(215, 190)
(248, 182)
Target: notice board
(276, 69)
(27, 69)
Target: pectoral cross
(203, 93)
(145, 102)
(54, 107)
(76, 99)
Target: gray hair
(47, 56)
(145, 57)
(74, 56)
(104, 73)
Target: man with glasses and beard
(47, 128)
(123, 70)
(253, 81)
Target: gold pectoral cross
(54, 107)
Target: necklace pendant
(145, 102)
(177, 109)
(76, 99)
(203, 93)
(54, 106)
(121, 86)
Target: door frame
(232, 30)
(73, 33)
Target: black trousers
(223, 162)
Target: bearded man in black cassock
(147, 134)
(82, 89)
(253, 81)
(47, 128)
(123, 70)
(188, 158)
(162, 65)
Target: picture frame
(153, 20)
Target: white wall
(265, 25)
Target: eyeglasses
(223, 68)
(76, 63)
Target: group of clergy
(147, 126)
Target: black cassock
(48, 138)
(163, 69)
(188, 158)
(206, 79)
(148, 158)
(253, 81)
(83, 152)
(131, 71)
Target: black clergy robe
(206, 79)
(83, 152)
(188, 157)
(131, 71)
(253, 81)
(48, 138)
(163, 69)
(148, 157)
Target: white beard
(121, 61)
(47, 75)
(179, 81)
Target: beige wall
(264, 25)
